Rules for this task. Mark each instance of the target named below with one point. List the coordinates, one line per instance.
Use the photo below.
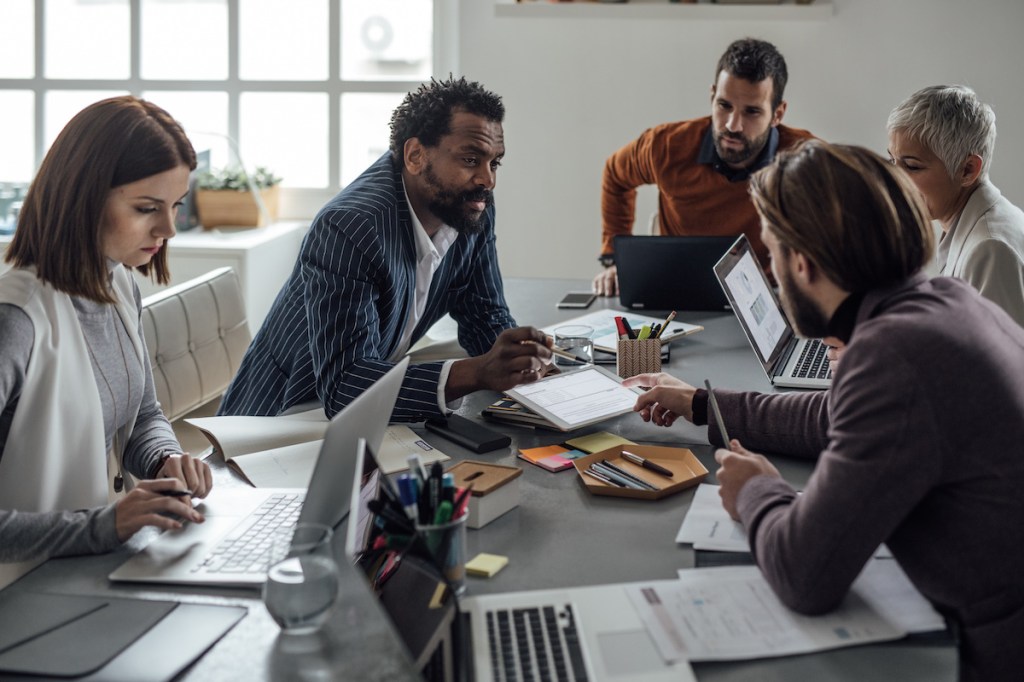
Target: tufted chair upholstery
(196, 333)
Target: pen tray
(680, 461)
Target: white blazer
(985, 247)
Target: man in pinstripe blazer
(408, 241)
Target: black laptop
(670, 273)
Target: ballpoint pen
(646, 463)
(615, 476)
(717, 412)
(628, 476)
(603, 479)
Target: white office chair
(196, 333)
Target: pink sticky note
(555, 463)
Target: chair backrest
(196, 333)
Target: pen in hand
(718, 414)
(176, 493)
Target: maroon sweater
(919, 445)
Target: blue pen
(448, 488)
(407, 490)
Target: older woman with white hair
(943, 137)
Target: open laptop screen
(757, 309)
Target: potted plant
(229, 197)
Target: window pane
(287, 133)
(204, 116)
(365, 133)
(184, 39)
(17, 135)
(18, 42)
(283, 40)
(87, 39)
(62, 105)
(387, 39)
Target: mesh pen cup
(446, 543)
(638, 356)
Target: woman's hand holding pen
(737, 465)
(194, 473)
(667, 398)
(160, 502)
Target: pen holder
(638, 357)
(446, 543)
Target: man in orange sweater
(702, 166)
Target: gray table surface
(559, 536)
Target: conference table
(559, 535)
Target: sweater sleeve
(794, 424)
(624, 171)
(997, 272)
(25, 536)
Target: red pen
(620, 326)
(462, 501)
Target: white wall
(578, 88)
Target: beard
(747, 152)
(808, 321)
(451, 205)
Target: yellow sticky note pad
(595, 442)
(486, 565)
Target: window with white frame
(303, 87)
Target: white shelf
(788, 10)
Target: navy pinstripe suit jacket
(342, 311)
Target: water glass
(578, 340)
(302, 577)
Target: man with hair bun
(408, 241)
(916, 442)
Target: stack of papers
(281, 452)
(731, 613)
(606, 336)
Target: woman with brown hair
(76, 387)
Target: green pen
(443, 514)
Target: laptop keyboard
(535, 645)
(244, 549)
(812, 363)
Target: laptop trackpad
(628, 653)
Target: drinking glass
(578, 340)
(302, 577)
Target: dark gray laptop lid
(670, 273)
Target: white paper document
(708, 526)
(731, 613)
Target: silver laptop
(578, 633)
(788, 360)
(229, 548)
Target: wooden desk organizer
(495, 489)
(687, 470)
(637, 357)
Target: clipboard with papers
(576, 399)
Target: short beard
(749, 150)
(807, 319)
(450, 206)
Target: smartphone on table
(577, 299)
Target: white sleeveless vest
(54, 455)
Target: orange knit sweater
(693, 198)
